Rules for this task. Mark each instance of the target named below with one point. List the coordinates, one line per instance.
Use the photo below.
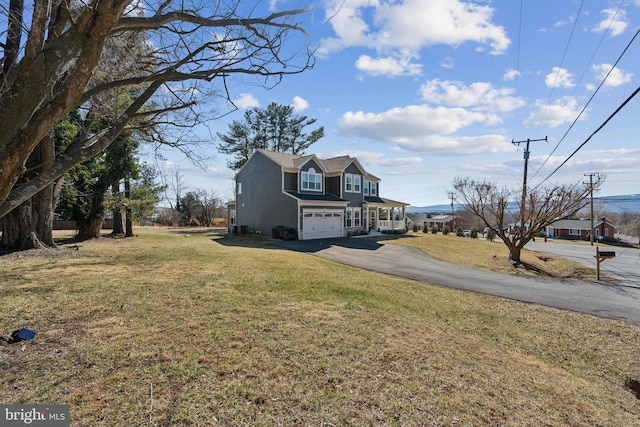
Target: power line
(593, 95)
(564, 55)
(635, 92)
(519, 38)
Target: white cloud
(375, 159)
(615, 21)
(408, 122)
(411, 25)
(617, 77)
(563, 111)
(443, 145)
(246, 100)
(559, 77)
(422, 128)
(300, 104)
(481, 96)
(449, 62)
(388, 66)
(511, 74)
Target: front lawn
(188, 327)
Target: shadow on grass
(199, 231)
(370, 243)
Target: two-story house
(320, 198)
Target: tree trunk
(43, 216)
(514, 254)
(127, 195)
(18, 231)
(117, 215)
(89, 229)
(43, 202)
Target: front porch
(384, 214)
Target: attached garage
(322, 224)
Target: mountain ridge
(615, 204)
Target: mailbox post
(601, 256)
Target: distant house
(580, 229)
(317, 198)
(438, 221)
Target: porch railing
(398, 224)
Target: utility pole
(590, 175)
(453, 216)
(524, 180)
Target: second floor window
(348, 183)
(311, 181)
(352, 183)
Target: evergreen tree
(275, 128)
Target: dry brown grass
(494, 256)
(164, 329)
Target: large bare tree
(51, 66)
(496, 206)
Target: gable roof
(290, 162)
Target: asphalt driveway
(617, 301)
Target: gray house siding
(332, 185)
(291, 181)
(261, 203)
(354, 199)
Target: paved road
(618, 301)
(625, 266)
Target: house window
(365, 188)
(353, 217)
(232, 216)
(606, 232)
(357, 221)
(353, 183)
(311, 181)
(373, 189)
(574, 232)
(238, 188)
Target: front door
(372, 219)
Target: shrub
(416, 227)
(459, 232)
(474, 233)
(445, 230)
(434, 230)
(491, 235)
(425, 229)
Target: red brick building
(580, 229)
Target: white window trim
(574, 232)
(352, 183)
(232, 216)
(353, 218)
(317, 180)
(357, 183)
(238, 188)
(372, 189)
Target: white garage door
(321, 225)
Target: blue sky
(423, 91)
